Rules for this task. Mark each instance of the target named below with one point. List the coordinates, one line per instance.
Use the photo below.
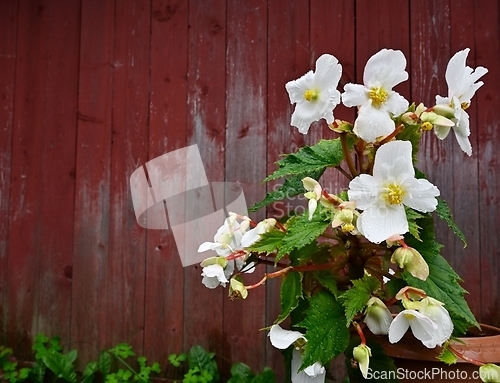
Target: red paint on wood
(27, 190)
(92, 189)
(8, 31)
(246, 135)
(124, 302)
(58, 171)
(205, 126)
(167, 132)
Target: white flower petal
(441, 131)
(215, 271)
(393, 158)
(385, 68)
(421, 196)
(439, 315)
(355, 95)
(378, 319)
(373, 123)
(422, 327)
(363, 189)
(379, 223)
(210, 282)
(396, 104)
(249, 238)
(398, 328)
(328, 71)
(281, 338)
(205, 246)
(302, 376)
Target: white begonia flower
(462, 85)
(433, 309)
(253, 235)
(314, 192)
(315, 93)
(382, 197)
(282, 339)
(228, 237)
(216, 271)
(378, 318)
(422, 327)
(376, 99)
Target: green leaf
(291, 187)
(326, 331)
(105, 363)
(447, 356)
(240, 373)
(309, 159)
(71, 356)
(269, 242)
(59, 365)
(356, 298)
(267, 376)
(443, 282)
(198, 357)
(291, 292)
(412, 216)
(122, 350)
(89, 372)
(381, 369)
(302, 232)
(327, 280)
(443, 211)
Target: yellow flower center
(426, 126)
(378, 96)
(393, 194)
(311, 95)
(465, 105)
(347, 228)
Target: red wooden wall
(92, 89)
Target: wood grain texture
(124, 296)
(58, 142)
(163, 333)
(92, 188)
(24, 255)
(8, 31)
(245, 158)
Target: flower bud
(412, 261)
(444, 110)
(489, 373)
(378, 318)
(221, 261)
(237, 289)
(341, 126)
(362, 355)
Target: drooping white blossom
(216, 271)
(378, 318)
(434, 309)
(315, 94)
(313, 194)
(376, 100)
(282, 339)
(228, 237)
(383, 195)
(253, 235)
(422, 327)
(462, 85)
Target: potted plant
(362, 268)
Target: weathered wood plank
(206, 87)
(8, 31)
(487, 36)
(288, 59)
(466, 261)
(124, 303)
(26, 182)
(167, 132)
(245, 155)
(92, 189)
(58, 170)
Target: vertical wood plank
(92, 189)
(486, 53)
(124, 306)
(288, 59)
(377, 28)
(8, 31)
(206, 89)
(167, 132)
(58, 170)
(26, 182)
(246, 104)
(466, 261)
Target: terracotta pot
(415, 362)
